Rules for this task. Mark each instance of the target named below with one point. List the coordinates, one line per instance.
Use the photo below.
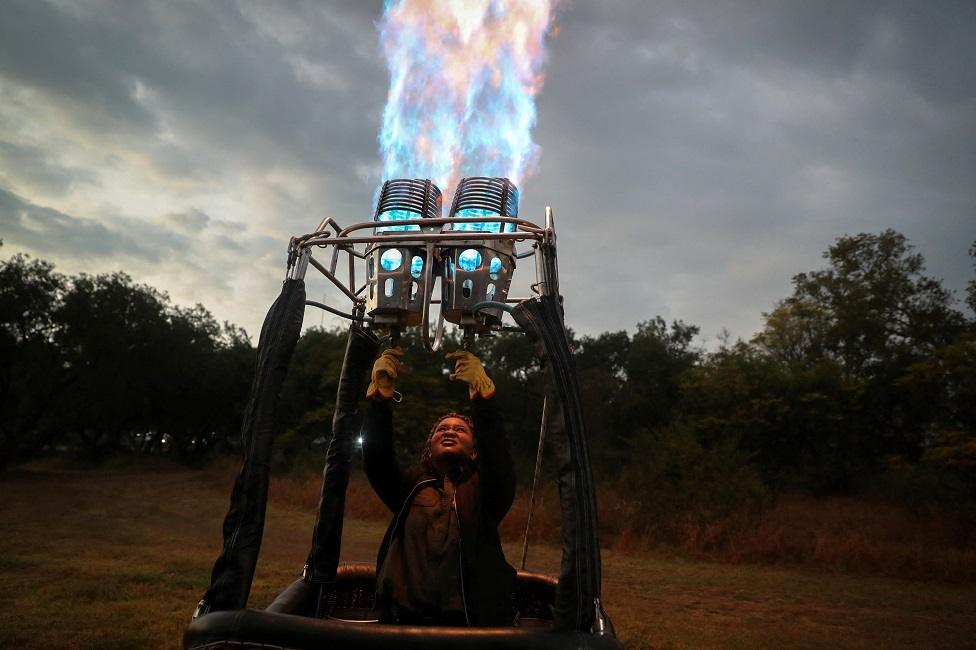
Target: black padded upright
(323, 558)
(233, 571)
(579, 579)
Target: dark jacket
(482, 500)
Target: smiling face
(452, 440)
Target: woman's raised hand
(386, 369)
(469, 369)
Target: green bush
(674, 479)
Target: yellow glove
(386, 368)
(468, 368)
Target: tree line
(101, 366)
(866, 372)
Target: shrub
(676, 484)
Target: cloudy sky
(696, 154)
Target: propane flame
(463, 79)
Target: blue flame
(391, 259)
(397, 215)
(480, 227)
(463, 82)
(469, 259)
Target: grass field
(117, 558)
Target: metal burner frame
(334, 240)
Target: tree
(510, 360)
(31, 370)
(306, 405)
(793, 421)
(796, 332)
(600, 367)
(657, 358)
(199, 378)
(105, 365)
(113, 333)
(941, 391)
(871, 313)
(872, 308)
(971, 287)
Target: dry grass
(303, 492)
(855, 535)
(118, 557)
(862, 535)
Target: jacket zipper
(457, 517)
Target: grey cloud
(116, 237)
(198, 227)
(712, 150)
(189, 220)
(193, 258)
(928, 44)
(49, 231)
(229, 244)
(55, 50)
(35, 169)
(131, 66)
(697, 154)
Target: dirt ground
(118, 557)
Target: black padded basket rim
(495, 194)
(355, 586)
(417, 195)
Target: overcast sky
(696, 154)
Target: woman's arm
(495, 467)
(379, 457)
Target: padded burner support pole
(323, 559)
(579, 579)
(230, 581)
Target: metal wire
(535, 479)
(324, 271)
(333, 310)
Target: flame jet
(463, 82)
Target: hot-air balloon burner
(479, 271)
(408, 247)
(395, 273)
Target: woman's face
(452, 437)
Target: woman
(441, 560)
